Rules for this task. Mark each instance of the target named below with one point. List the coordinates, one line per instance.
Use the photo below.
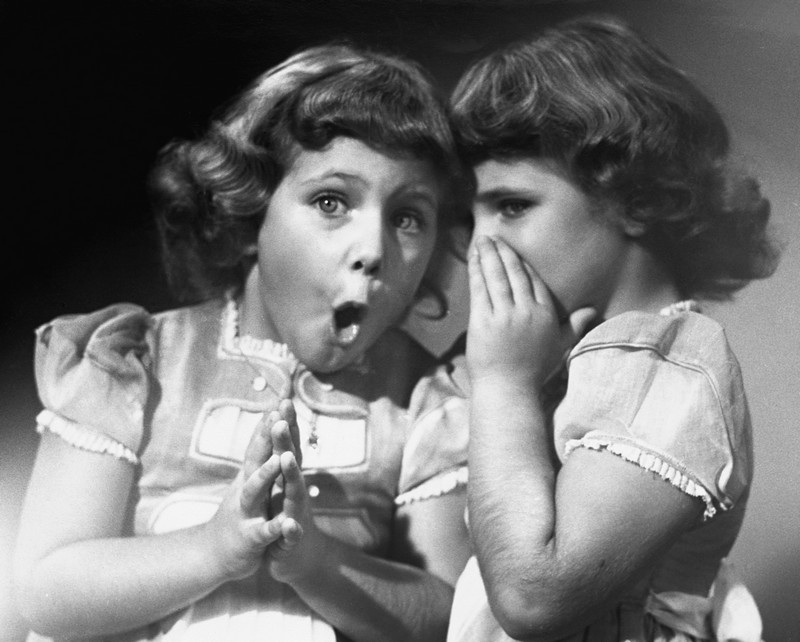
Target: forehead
(351, 159)
(522, 173)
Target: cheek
(404, 275)
(417, 259)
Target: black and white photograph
(414, 320)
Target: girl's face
(550, 223)
(345, 242)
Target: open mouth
(347, 319)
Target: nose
(369, 245)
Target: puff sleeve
(666, 393)
(92, 378)
(435, 454)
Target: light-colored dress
(663, 392)
(178, 395)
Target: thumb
(577, 325)
(580, 320)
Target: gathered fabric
(178, 395)
(663, 392)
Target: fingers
(520, 275)
(295, 501)
(287, 413)
(286, 408)
(502, 279)
(576, 326)
(295, 505)
(290, 433)
(261, 532)
(260, 446)
(257, 486)
(580, 320)
(282, 438)
(291, 534)
(493, 284)
(478, 293)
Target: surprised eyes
(405, 220)
(328, 203)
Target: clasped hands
(265, 516)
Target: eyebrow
(412, 191)
(422, 194)
(499, 192)
(344, 176)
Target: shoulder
(688, 341)
(688, 338)
(189, 321)
(120, 340)
(435, 454)
(666, 385)
(118, 329)
(92, 373)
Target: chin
(329, 361)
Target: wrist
(307, 562)
(506, 381)
(215, 545)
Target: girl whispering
(168, 500)
(604, 495)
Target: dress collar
(249, 346)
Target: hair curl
(633, 131)
(210, 195)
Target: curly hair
(210, 195)
(633, 132)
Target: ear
(634, 220)
(633, 227)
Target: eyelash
(418, 220)
(519, 205)
(329, 197)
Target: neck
(644, 284)
(254, 319)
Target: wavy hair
(634, 132)
(210, 195)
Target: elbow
(35, 604)
(31, 606)
(529, 616)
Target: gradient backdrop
(95, 90)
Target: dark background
(92, 91)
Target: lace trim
(650, 462)
(441, 484)
(82, 437)
(250, 346)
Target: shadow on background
(95, 91)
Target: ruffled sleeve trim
(437, 486)
(82, 437)
(651, 462)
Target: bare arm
(369, 598)
(555, 547)
(75, 574)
